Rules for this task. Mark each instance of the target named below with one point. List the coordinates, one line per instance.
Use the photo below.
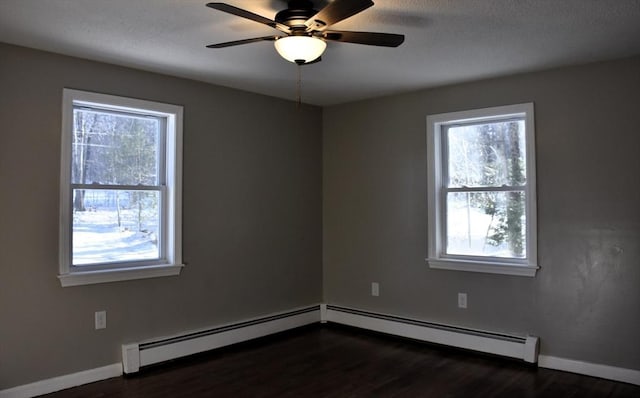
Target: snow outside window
(120, 189)
(482, 209)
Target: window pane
(116, 226)
(116, 149)
(488, 154)
(486, 224)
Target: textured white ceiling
(447, 41)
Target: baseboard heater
(525, 348)
(137, 355)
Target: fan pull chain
(299, 86)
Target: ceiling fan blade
(248, 15)
(369, 38)
(245, 41)
(335, 12)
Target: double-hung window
(481, 190)
(120, 189)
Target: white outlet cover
(462, 300)
(375, 289)
(101, 320)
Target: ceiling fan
(306, 29)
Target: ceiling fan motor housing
(296, 14)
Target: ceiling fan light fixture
(300, 49)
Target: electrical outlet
(462, 300)
(101, 319)
(375, 289)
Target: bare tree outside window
(115, 176)
(482, 191)
(486, 205)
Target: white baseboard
(590, 369)
(511, 346)
(520, 347)
(63, 382)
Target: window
(121, 192)
(482, 198)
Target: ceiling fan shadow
(279, 4)
(399, 18)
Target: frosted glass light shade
(300, 49)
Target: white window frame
(170, 262)
(436, 256)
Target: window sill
(484, 267)
(118, 274)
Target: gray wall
(585, 301)
(253, 213)
(252, 217)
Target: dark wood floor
(336, 361)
